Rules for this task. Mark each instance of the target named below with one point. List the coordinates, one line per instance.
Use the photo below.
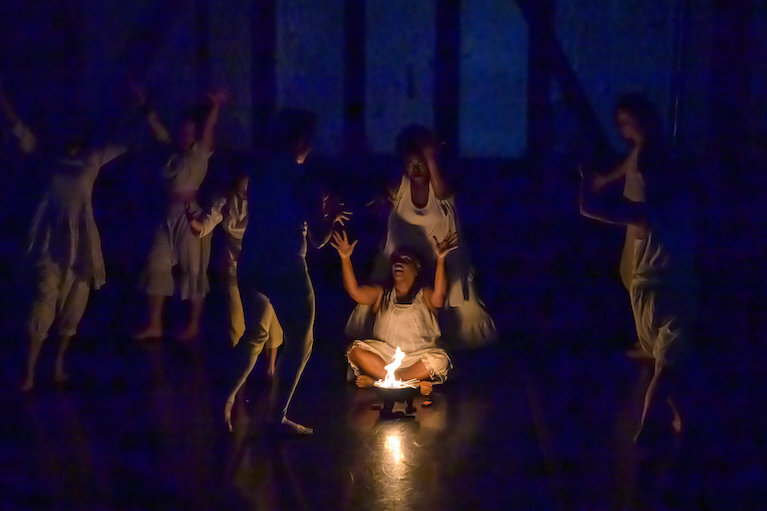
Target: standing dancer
(231, 211)
(638, 123)
(64, 248)
(283, 208)
(174, 242)
(663, 283)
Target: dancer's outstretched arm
(623, 212)
(217, 99)
(364, 295)
(27, 140)
(158, 129)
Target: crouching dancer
(404, 318)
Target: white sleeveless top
(411, 327)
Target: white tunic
(633, 190)
(409, 326)
(64, 230)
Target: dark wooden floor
(544, 420)
(517, 427)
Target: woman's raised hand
(218, 97)
(341, 243)
(447, 245)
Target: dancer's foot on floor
(676, 423)
(425, 387)
(28, 385)
(364, 381)
(189, 334)
(228, 415)
(289, 428)
(148, 333)
(60, 377)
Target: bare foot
(228, 415)
(28, 385)
(189, 334)
(425, 387)
(287, 427)
(677, 422)
(364, 381)
(60, 377)
(147, 333)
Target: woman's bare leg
(370, 365)
(59, 375)
(271, 353)
(657, 391)
(35, 344)
(251, 362)
(192, 330)
(153, 328)
(417, 371)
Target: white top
(64, 229)
(185, 172)
(411, 327)
(232, 213)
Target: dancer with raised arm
(174, 242)
(404, 318)
(64, 247)
(283, 208)
(638, 123)
(663, 285)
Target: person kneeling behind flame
(404, 318)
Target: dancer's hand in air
(332, 206)
(218, 97)
(341, 243)
(447, 245)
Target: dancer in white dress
(174, 242)
(404, 318)
(64, 247)
(663, 286)
(423, 209)
(638, 124)
(231, 212)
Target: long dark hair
(644, 112)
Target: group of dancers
(267, 216)
(422, 279)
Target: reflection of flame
(391, 382)
(394, 445)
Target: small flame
(391, 382)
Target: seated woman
(404, 317)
